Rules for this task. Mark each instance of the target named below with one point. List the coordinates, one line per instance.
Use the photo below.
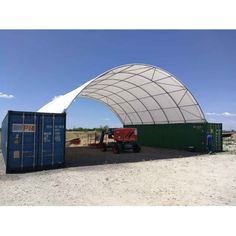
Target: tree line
(100, 128)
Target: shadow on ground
(84, 156)
(87, 156)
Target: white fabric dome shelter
(138, 94)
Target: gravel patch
(193, 180)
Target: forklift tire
(136, 148)
(116, 149)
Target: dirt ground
(160, 177)
(229, 144)
(86, 137)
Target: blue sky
(35, 66)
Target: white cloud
(211, 113)
(6, 96)
(226, 114)
(106, 119)
(228, 119)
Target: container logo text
(23, 128)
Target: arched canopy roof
(138, 94)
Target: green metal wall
(216, 130)
(180, 136)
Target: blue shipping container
(33, 141)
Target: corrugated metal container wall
(189, 136)
(33, 141)
(4, 137)
(216, 130)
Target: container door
(28, 160)
(15, 130)
(22, 148)
(216, 130)
(59, 140)
(218, 137)
(45, 144)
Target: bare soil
(229, 144)
(160, 177)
